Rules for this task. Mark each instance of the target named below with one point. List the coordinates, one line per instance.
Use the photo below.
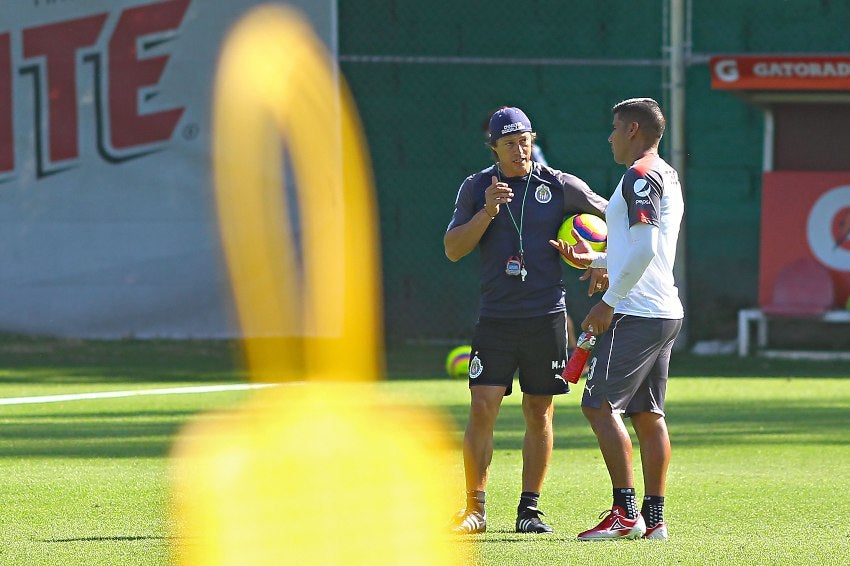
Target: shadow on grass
(697, 424)
(48, 360)
(147, 434)
(706, 424)
(690, 365)
(510, 427)
(405, 361)
(751, 423)
(109, 539)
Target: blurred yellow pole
(329, 471)
(318, 474)
(275, 77)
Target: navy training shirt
(552, 196)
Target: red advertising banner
(772, 72)
(107, 216)
(805, 216)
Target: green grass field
(759, 471)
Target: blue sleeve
(579, 197)
(642, 192)
(464, 204)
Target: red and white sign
(772, 72)
(805, 215)
(107, 225)
(52, 55)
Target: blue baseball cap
(508, 120)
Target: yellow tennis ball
(589, 227)
(457, 362)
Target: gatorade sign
(812, 72)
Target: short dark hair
(644, 111)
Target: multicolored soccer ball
(590, 227)
(457, 362)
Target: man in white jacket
(636, 321)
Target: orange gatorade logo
(754, 72)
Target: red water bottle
(575, 365)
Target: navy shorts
(536, 346)
(630, 365)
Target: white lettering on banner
(124, 72)
(727, 70)
(801, 70)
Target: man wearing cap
(510, 211)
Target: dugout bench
(761, 319)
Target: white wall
(107, 225)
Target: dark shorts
(630, 365)
(535, 346)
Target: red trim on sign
(772, 72)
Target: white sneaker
(658, 532)
(469, 522)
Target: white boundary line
(134, 393)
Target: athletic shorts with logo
(536, 346)
(630, 365)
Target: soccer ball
(457, 362)
(590, 227)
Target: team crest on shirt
(543, 194)
(475, 367)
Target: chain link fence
(425, 76)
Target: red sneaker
(658, 532)
(615, 525)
